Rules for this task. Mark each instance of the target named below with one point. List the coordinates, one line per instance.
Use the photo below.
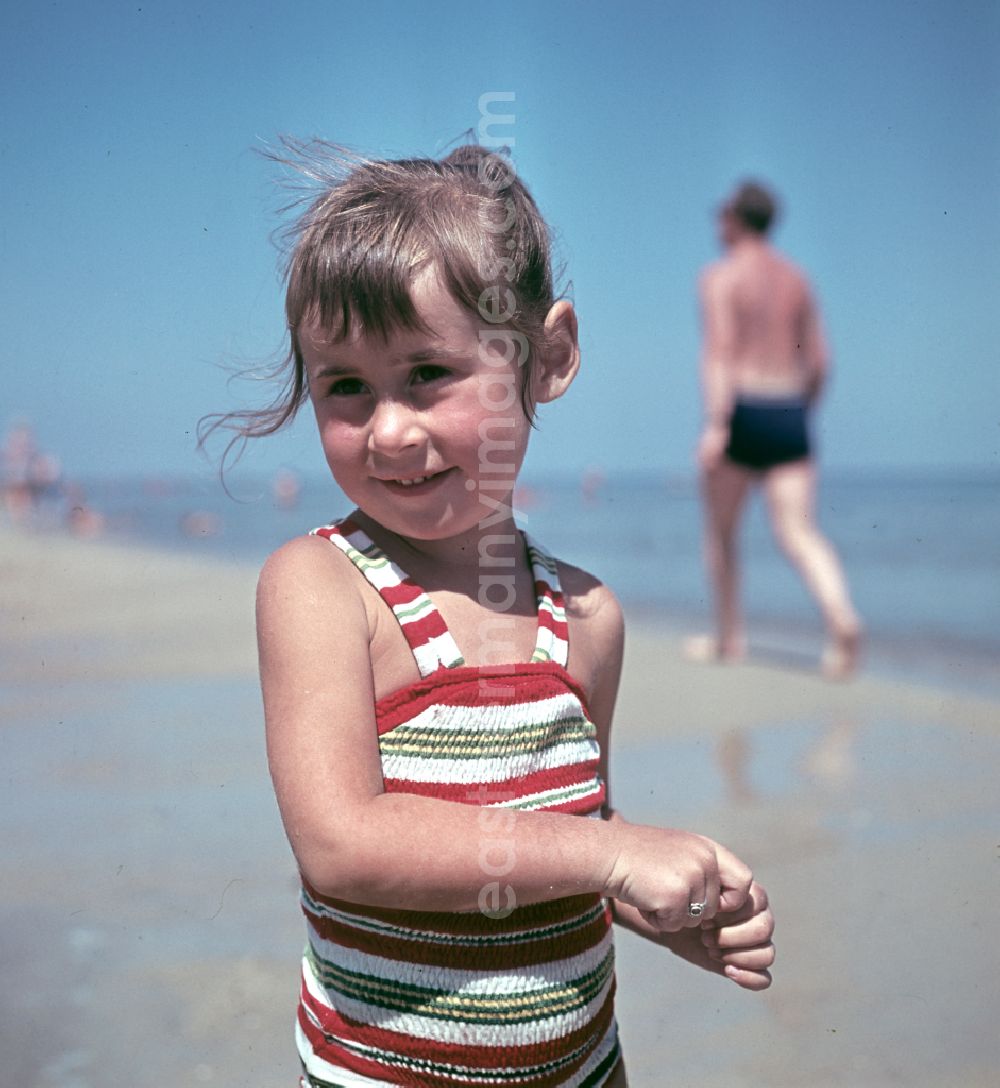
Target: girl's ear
(559, 360)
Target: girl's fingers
(755, 903)
(748, 959)
(704, 905)
(754, 931)
(736, 879)
(749, 980)
(696, 909)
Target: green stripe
(554, 797)
(422, 742)
(543, 559)
(369, 559)
(405, 612)
(556, 999)
(548, 605)
(517, 1076)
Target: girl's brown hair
(370, 225)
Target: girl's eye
(428, 372)
(347, 387)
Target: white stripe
(497, 718)
(544, 568)
(497, 769)
(333, 1074)
(445, 648)
(602, 1050)
(427, 658)
(464, 980)
(455, 1030)
(323, 1070)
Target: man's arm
(815, 353)
(718, 339)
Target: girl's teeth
(415, 480)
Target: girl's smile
(418, 485)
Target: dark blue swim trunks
(768, 431)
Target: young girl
(438, 689)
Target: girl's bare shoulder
(310, 582)
(596, 640)
(590, 603)
(309, 564)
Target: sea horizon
(919, 546)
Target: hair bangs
(354, 282)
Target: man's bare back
(762, 327)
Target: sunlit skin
(402, 421)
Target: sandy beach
(150, 922)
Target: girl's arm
(738, 944)
(353, 841)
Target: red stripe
(484, 1058)
(501, 957)
(466, 795)
(508, 789)
(557, 627)
(402, 594)
(472, 686)
(546, 618)
(469, 923)
(419, 632)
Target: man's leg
(725, 487)
(790, 491)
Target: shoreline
(785, 644)
(140, 834)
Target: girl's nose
(394, 426)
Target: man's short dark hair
(754, 206)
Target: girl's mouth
(416, 484)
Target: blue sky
(136, 217)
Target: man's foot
(709, 649)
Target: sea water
(922, 554)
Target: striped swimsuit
(521, 997)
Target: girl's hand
(662, 872)
(739, 943)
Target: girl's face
(424, 431)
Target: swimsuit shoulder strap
(421, 623)
(552, 643)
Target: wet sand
(150, 925)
